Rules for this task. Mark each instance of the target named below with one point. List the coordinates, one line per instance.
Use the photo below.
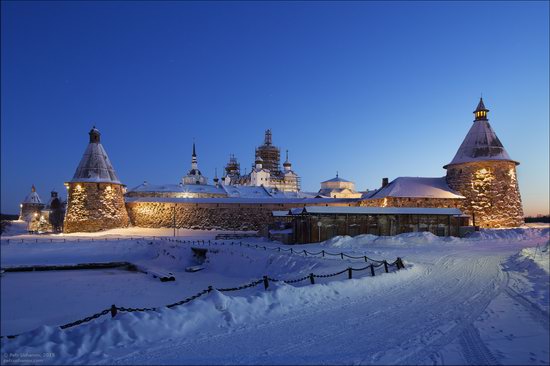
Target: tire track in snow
(538, 315)
(473, 303)
(432, 312)
(474, 350)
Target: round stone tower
(484, 173)
(31, 207)
(95, 194)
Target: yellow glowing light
(20, 205)
(35, 214)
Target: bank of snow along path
(452, 305)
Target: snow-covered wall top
(336, 210)
(95, 166)
(179, 188)
(481, 143)
(241, 200)
(417, 187)
(222, 190)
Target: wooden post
(349, 272)
(312, 279)
(342, 255)
(291, 251)
(113, 311)
(365, 258)
(266, 283)
(305, 253)
(372, 270)
(323, 251)
(385, 266)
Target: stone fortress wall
(206, 216)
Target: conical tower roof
(481, 143)
(33, 197)
(95, 165)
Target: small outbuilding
(313, 224)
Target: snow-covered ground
(478, 300)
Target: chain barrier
(113, 310)
(199, 294)
(251, 284)
(291, 250)
(85, 320)
(296, 280)
(131, 310)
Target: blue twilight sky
(371, 89)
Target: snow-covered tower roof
(481, 143)
(33, 197)
(95, 165)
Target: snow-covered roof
(336, 179)
(285, 194)
(417, 187)
(180, 188)
(328, 191)
(335, 210)
(246, 191)
(244, 200)
(369, 194)
(95, 165)
(481, 143)
(33, 197)
(229, 190)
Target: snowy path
(413, 320)
(481, 300)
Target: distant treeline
(8, 217)
(545, 219)
(5, 221)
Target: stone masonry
(206, 216)
(491, 191)
(94, 207)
